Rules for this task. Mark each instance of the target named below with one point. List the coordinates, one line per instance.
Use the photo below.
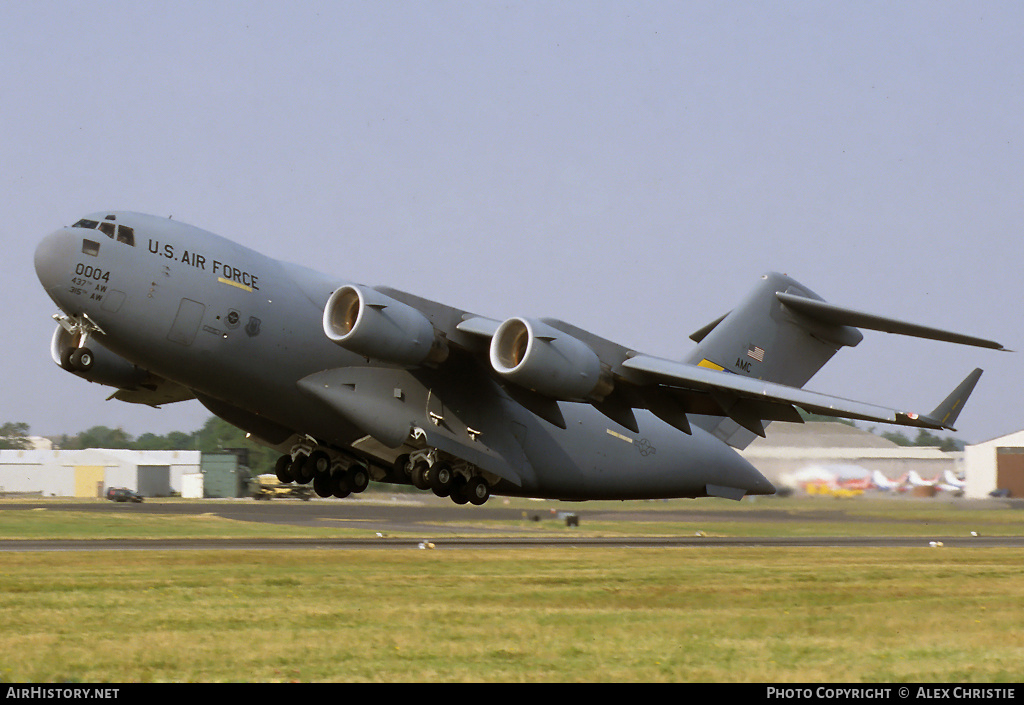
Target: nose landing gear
(79, 358)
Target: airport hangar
(90, 472)
(788, 449)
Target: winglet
(946, 413)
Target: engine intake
(534, 355)
(371, 324)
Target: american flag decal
(756, 353)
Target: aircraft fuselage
(244, 333)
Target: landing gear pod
(94, 362)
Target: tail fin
(766, 339)
(783, 332)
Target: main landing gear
(460, 481)
(332, 474)
(336, 474)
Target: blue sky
(630, 167)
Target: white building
(997, 464)
(792, 450)
(89, 473)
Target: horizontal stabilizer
(836, 315)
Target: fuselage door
(186, 323)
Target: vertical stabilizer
(764, 339)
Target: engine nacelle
(105, 367)
(371, 324)
(534, 355)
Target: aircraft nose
(53, 259)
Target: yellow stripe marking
(627, 439)
(222, 280)
(710, 365)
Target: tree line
(216, 436)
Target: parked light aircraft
(950, 482)
(947, 482)
(353, 383)
(915, 480)
(881, 482)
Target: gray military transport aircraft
(352, 383)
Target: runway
(510, 542)
(427, 522)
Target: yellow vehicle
(268, 487)
(822, 488)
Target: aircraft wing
(541, 362)
(740, 396)
(672, 390)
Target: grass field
(568, 614)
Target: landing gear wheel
(339, 483)
(319, 463)
(419, 475)
(299, 471)
(458, 493)
(441, 478)
(284, 476)
(82, 359)
(478, 490)
(357, 478)
(322, 485)
(400, 470)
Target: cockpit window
(121, 233)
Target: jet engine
(97, 364)
(367, 322)
(534, 355)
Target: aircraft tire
(323, 486)
(400, 470)
(298, 470)
(357, 478)
(319, 463)
(339, 483)
(458, 493)
(441, 478)
(284, 476)
(419, 475)
(82, 359)
(478, 490)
